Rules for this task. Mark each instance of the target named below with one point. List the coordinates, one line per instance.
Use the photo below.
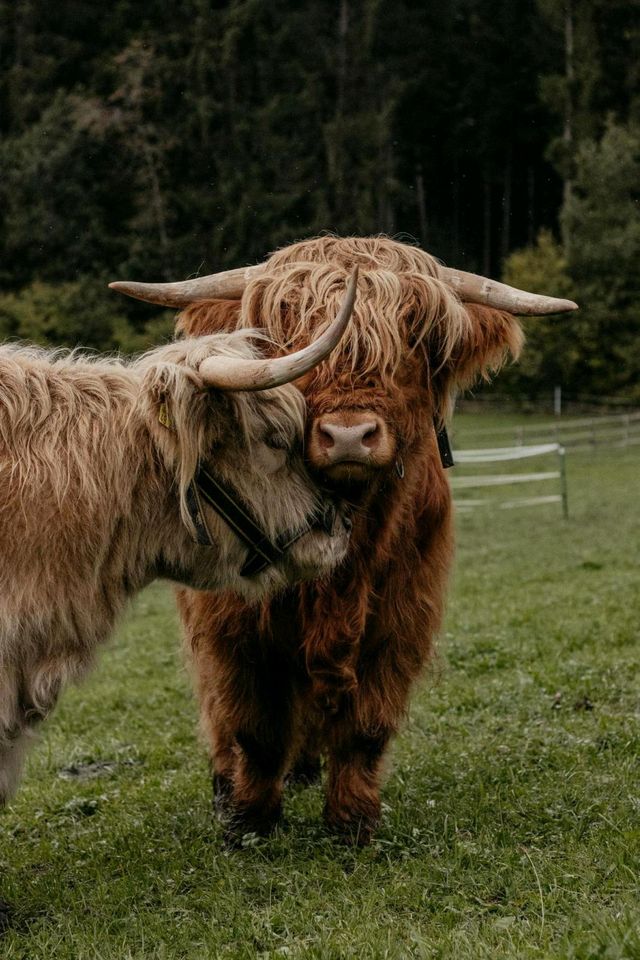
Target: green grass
(512, 813)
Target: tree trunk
(456, 210)
(157, 203)
(343, 29)
(336, 158)
(568, 111)
(531, 206)
(505, 244)
(421, 204)
(486, 223)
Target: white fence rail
(504, 454)
(620, 430)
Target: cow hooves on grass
(354, 832)
(251, 823)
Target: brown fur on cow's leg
(256, 802)
(223, 762)
(248, 799)
(247, 793)
(352, 808)
(247, 705)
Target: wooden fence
(460, 481)
(616, 430)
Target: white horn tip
(552, 305)
(127, 287)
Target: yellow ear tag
(163, 416)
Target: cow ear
(208, 316)
(174, 395)
(483, 345)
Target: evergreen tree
(603, 218)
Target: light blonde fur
(400, 301)
(92, 503)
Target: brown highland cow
(326, 668)
(106, 478)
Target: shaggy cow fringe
(401, 303)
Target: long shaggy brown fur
(93, 503)
(328, 667)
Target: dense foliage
(156, 141)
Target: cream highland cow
(113, 474)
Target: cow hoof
(6, 913)
(246, 824)
(354, 831)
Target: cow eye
(276, 441)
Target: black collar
(263, 551)
(444, 447)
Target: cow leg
(246, 681)
(12, 756)
(248, 773)
(256, 802)
(12, 736)
(352, 809)
(22, 709)
(11, 761)
(218, 736)
(223, 765)
(246, 702)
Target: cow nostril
(371, 437)
(325, 437)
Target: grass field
(512, 808)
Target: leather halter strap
(262, 550)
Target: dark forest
(161, 140)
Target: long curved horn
(229, 285)
(472, 288)
(225, 374)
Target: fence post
(563, 482)
(557, 400)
